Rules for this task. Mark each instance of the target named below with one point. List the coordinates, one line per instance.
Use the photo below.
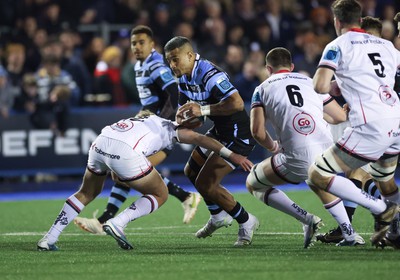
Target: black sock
(110, 211)
(239, 214)
(350, 212)
(212, 207)
(175, 190)
(117, 197)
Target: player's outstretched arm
(191, 137)
(258, 131)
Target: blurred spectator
(51, 19)
(107, 77)
(246, 81)
(322, 22)
(15, 60)
(92, 53)
(246, 14)
(128, 78)
(33, 56)
(185, 29)
(73, 63)
(28, 99)
(214, 48)
(236, 36)
(368, 7)
(56, 92)
(127, 10)
(51, 75)
(234, 59)
(388, 30)
(280, 22)
(161, 24)
(6, 99)
(307, 62)
(263, 35)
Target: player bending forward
(123, 148)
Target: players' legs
(322, 175)
(260, 182)
(154, 196)
(92, 185)
(383, 173)
(119, 193)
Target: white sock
(338, 212)
(141, 207)
(72, 207)
(279, 200)
(345, 189)
(220, 216)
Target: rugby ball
(193, 122)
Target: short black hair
(176, 42)
(369, 23)
(347, 11)
(142, 29)
(279, 57)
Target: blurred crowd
(48, 66)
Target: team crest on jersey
(304, 124)
(332, 53)
(122, 126)
(387, 95)
(224, 84)
(166, 76)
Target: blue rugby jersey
(209, 85)
(153, 76)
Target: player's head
(278, 59)
(397, 19)
(346, 13)
(372, 25)
(142, 42)
(180, 55)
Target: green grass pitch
(165, 248)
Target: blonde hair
(110, 53)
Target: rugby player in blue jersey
(205, 91)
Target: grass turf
(167, 249)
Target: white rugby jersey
(145, 135)
(294, 109)
(365, 67)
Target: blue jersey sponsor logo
(224, 85)
(166, 76)
(256, 97)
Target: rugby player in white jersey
(123, 148)
(364, 67)
(360, 177)
(288, 101)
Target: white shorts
(107, 154)
(293, 167)
(338, 129)
(370, 141)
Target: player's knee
(381, 173)
(257, 181)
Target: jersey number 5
(375, 58)
(294, 94)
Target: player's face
(141, 46)
(181, 61)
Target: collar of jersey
(356, 29)
(148, 57)
(282, 71)
(196, 61)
